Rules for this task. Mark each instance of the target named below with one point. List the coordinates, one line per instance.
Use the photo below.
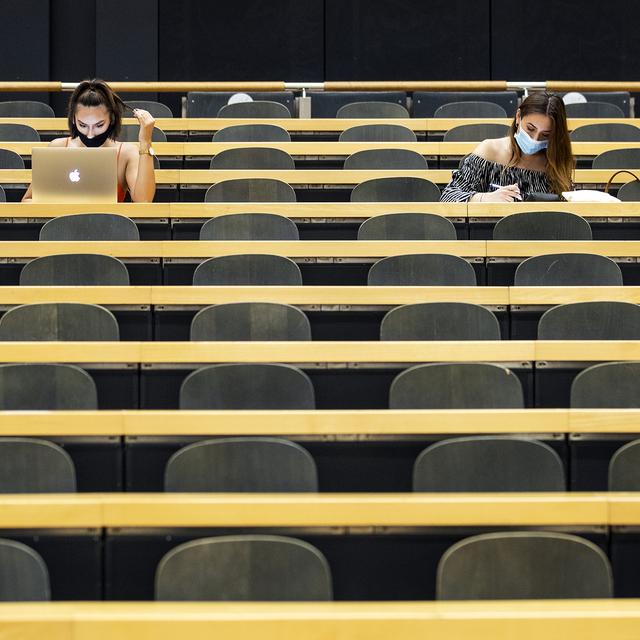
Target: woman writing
(535, 157)
(95, 120)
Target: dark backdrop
(315, 40)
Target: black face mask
(96, 141)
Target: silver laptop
(67, 174)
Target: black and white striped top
(476, 174)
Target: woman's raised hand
(147, 122)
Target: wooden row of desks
(318, 297)
(320, 177)
(109, 510)
(614, 619)
(321, 149)
(311, 249)
(316, 211)
(322, 352)
(302, 125)
(364, 422)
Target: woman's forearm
(145, 185)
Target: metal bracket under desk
(111, 307)
(192, 366)
(16, 220)
(140, 221)
(296, 259)
(198, 532)
(334, 187)
(382, 530)
(170, 160)
(566, 364)
(192, 158)
(24, 260)
(41, 220)
(328, 220)
(519, 364)
(533, 308)
(175, 221)
(106, 366)
(354, 307)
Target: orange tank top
(121, 191)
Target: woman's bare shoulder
(128, 150)
(494, 150)
(59, 142)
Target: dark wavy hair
(560, 160)
(95, 93)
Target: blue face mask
(527, 145)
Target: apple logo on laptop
(74, 175)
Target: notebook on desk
(74, 175)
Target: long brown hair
(95, 93)
(560, 160)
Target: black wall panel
(72, 63)
(24, 44)
(565, 40)
(315, 40)
(407, 40)
(127, 41)
(241, 40)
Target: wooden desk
(317, 422)
(363, 352)
(308, 249)
(23, 176)
(522, 296)
(318, 211)
(526, 248)
(312, 176)
(614, 619)
(420, 125)
(306, 352)
(25, 148)
(107, 510)
(323, 149)
(215, 124)
(322, 351)
(342, 296)
(444, 124)
(338, 297)
(616, 210)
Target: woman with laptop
(535, 157)
(95, 120)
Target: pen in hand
(516, 196)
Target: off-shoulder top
(476, 174)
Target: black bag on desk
(536, 196)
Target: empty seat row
(329, 104)
(425, 104)
(507, 565)
(421, 269)
(268, 321)
(25, 133)
(269, 464)
(382, 109)
(242, 386)
(605, 132)
(534, 225)
(36, 109)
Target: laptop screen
(73, 175)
